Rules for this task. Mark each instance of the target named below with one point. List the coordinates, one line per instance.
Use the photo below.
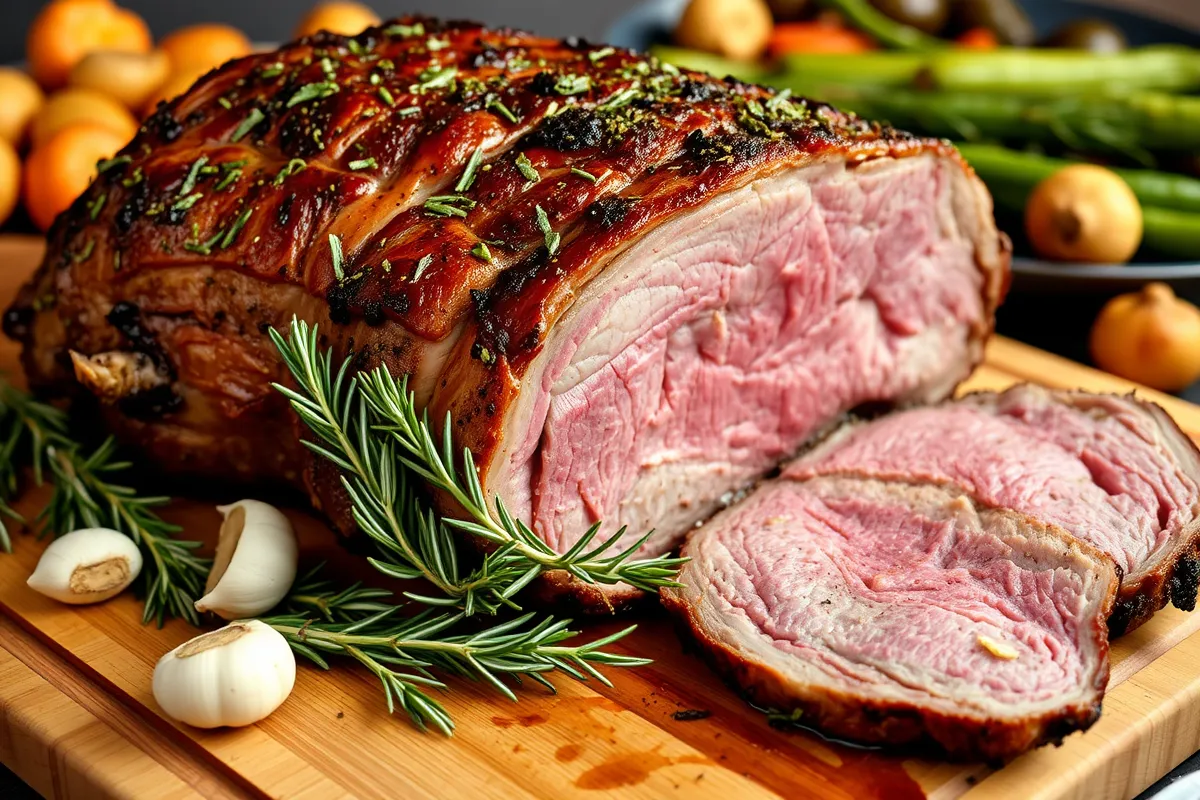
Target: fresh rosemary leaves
(83, 496)
(403, 652)
(369, 427)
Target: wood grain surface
(77, 719)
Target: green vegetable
(868, 19)
(1000, 166)
(1131, 126)
(1065, 72)
(1172, 233)
(1170, 203)
(699, 61)
(867, 70)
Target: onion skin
(1150, 337)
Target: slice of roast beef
(901, 613)
(637, 289)
(1115, 471)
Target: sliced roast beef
(637, 289)
(1114, 471)
(901, 613)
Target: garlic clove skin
(255, 562)
(87, 566)
(230, 677)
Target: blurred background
(274, 20)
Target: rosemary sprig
(404, 652)
(369, 427)
(83, 496)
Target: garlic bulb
(255, 562)
(233, 676)
(87, 566)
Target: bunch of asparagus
(1007, 108)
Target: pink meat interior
(872, 590)
(729, 337)
(1101, 473)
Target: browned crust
(862, 718)
(1177, 578)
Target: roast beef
(901, 613)
(1114, 471)
(637, 289)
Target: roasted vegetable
(732, 28)
(1093, 35)
(1084, 213)
(1005, 18)
(927, 16)
(864, 16)
(1151, 337)
(817, 37)
(1170, 203)
(1002, 168)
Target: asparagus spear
(1170, 203)
(1130, 125)
(1000, 166)
(718, 66)
(1065, 72)
(870, 20)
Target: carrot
(978, 39)
(817, 37)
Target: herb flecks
(335, 252)
(497, 107)
(189, 181)
(468, 176)
(482, 252)
(435, 77)
(552, 237)
(363, 163)
(570, 84)
(313, 91)
(248, 124)
(422, 265)
(449, 205)
(525, 167)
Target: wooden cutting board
(79, 720)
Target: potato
(131, 78)
(731, 28)
(81, 105)
(10, 180)
(21, 100)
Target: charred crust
(133, 208)
(695, 91)
(543, 83)
(150, 404)
(163, 124)
(1185, 579)
(572, 130)
(17, 322)
(609, 212)
(339, 298)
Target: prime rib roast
(1116, 472)
(901, 612)
(868, 586)
(639, 291)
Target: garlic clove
(231, 677)
(255, 562)
(87, 566)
